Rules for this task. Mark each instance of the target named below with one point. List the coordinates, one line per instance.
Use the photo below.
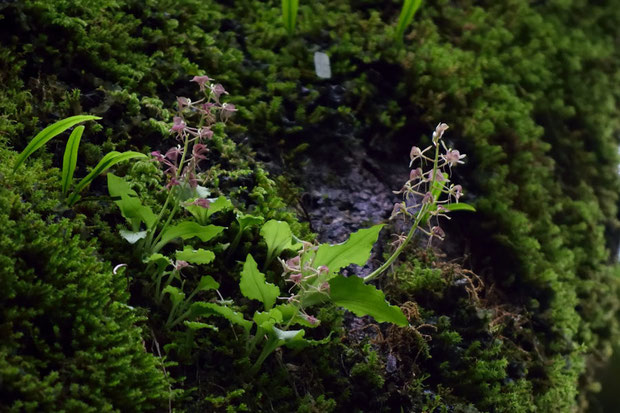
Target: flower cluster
(305, 279)
(181, 162)
(429, 192)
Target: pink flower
(199, 150)
(415, 174)
(180, 265)
(183, 103)
(158, 156)
(456, 191)
(218, 90)
(178, 125)
(312, 320)
(173, 182)
(438, 133)
(202, 203)
(323, 269)
(205, 133)
(173, 153)
(428, 198)
(438, 232)
(296, 278)
(202, 81)
(227, 111)
(453, 157)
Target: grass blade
(48, 133)
(69, 160)
(289, 14)
(106, 162)
(410, 7)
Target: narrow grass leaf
(289, 14)
(106, 162)
(69, 160)
(410, 7)
(48, 133)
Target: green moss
(69, 340)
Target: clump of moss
(69, 340)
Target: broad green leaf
(461, 206)
(295, 339)
(289, 14)
(267, 319)
(364, 299)
(278, 236)
(197, 325)
(132, 237)
(254, 286)
(69, 160)
(193, 256)
(246, 221)
(356, 250)
(202, 309)
(410, 7)
(117, 187)
(48, 133)
(106, 162)
(207, 283)
(187, 230)
(289, 311)
(129, 203)
(220, 204)
(176, 296)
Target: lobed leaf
(202, 309)
(364, 299)
(193, 256)
(132, 237)
(254, 286)
(278, 236)
(187, 230)
(356, 250)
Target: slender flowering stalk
(432, 191)
(181, 163)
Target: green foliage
(69, 340)
(410, 7)
(362, 299)
(254, 286)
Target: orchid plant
(310, 276)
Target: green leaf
(410, 7)
(220, 204)
(289, 312)
(48, 133)
(197, 325)
(246, 221)
(187, 230)
(132, 237)
(356, 250)
(278, 236)
(176, 296)
(254, 286)
(131, 208)
(364, 299)
(266, 320)
(106, 162)
(69, 160)
(461, 206)
(207, 283)
(289, 14)
(202, 309)
(193, 256)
